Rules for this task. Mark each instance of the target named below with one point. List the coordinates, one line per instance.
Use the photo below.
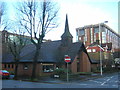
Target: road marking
(95, 81)
(103, 83)
(108, 80)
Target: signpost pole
(67, 60)
(67, 73)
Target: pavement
(59, 81)
(51, 80)
(105, 81)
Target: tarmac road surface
(110, 81)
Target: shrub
(109, 69)
(60, 71)
(95, 70)
(85, 73)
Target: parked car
(4, 74)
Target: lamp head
(105, 21)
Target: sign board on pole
(67, 59)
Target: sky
(81, 13)
(87, 12)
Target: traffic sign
(67, 59)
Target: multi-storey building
(93, 33)
(102, 42)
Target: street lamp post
(101, 70)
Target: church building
(52, 56)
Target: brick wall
(28, 72)
(88, 37)
(85, 65)
(24, 72)
(74, 65)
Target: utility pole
(100, 38)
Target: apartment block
(98, 33)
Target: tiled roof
(50, 52)
(53, 52)
(7, 58)
(109, 45)
(47, 52)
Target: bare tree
(37, 18)
(4, 21)
(2, 10)
(15, 44)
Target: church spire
(66, 37)
(66, 32)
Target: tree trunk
(16, 69)
(35, 59)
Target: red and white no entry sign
(67, 59)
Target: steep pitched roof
(73, 50)
(50, 52)
(7, 58)
(47, 52)
(53, 52)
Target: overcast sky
(87, 12)
(84, 12)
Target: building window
(12, 65)
(91, 33)
(8, 65)
(94, 37)
(5, 66)
(25, 67)
(48, 68)
(94, 50)
(104, 37)
(96, 30)
(82, 32)
(85, 38)
(89, 50)
(78, 66)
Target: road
(105, 82)
(110, 81)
